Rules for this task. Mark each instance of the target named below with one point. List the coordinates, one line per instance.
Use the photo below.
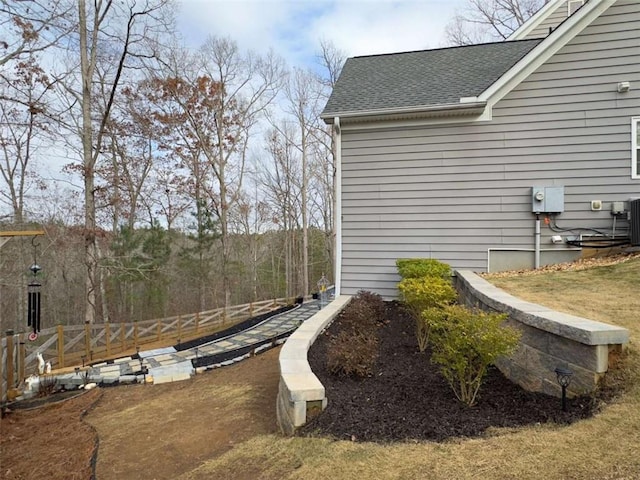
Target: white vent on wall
(573, 6)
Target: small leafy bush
(419, 294)
(465, 342)
(352, 354)
(367, 307)
(423, 267)
(354, 350)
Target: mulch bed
(49, 442)
(407, 398)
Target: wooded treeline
(197, 178)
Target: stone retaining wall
(300, 394)
(550, 339)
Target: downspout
(537, 243)
(338, 209)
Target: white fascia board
(545, 50)
(530, 25)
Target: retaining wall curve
(300, 393)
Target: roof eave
(453, 109)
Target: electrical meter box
(547, 199)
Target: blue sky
(293, 28)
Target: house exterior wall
(453, 192)
(554, 19)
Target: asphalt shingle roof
(422, 78)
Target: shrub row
(464, 342)
(353, 351)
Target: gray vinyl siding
(554, 19)
(453, 192)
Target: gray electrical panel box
(547, 199)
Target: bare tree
(248, 84)
(489, 20)
(304, 100)
(279, 176)
(119, 35)
(331, 60)
(32, 26)
(23, 121)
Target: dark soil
(46, 400)
(407, 398)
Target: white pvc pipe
(537, 243)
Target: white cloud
(293, 28)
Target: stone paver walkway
(168, 364)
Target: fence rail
(71, 345)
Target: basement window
(635, 147)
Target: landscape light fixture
(564, 379)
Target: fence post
(87, 339)
(21, 358)
(107, 327)
(122, 339)
(10, 365)
(179, 328)
(135, 334)
(197, 322)
(60, 346)
(159, 329)
(250, 309)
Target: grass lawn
(604, 447)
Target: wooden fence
(74, 345)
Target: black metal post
(564, 379)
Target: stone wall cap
(303, 386)
(579, 329)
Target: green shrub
(419, 294)
(464, 343)
(422, 267)
(354, 350)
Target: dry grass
(604, 447)
(162, 431)
(607, 293)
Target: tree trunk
(305, 226)
(88, 170)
